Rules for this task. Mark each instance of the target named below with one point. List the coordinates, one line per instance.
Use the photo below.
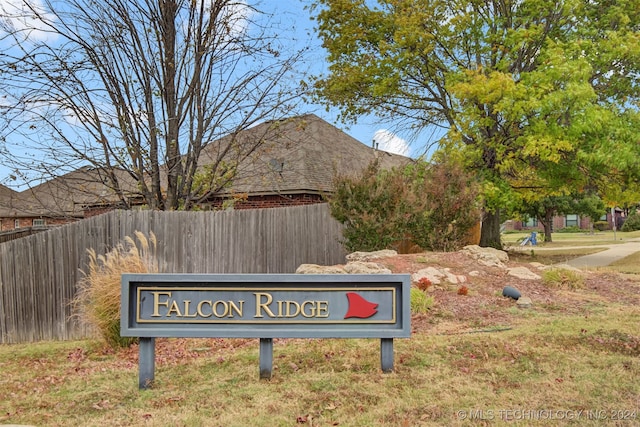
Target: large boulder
(489, 257)
(359, 267)
(368, 256)
(320, 269)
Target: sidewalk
(603, 258)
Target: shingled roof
(298, 155)
(10, 202)
(63, 196)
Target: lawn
(573, 239)
(566, 369)
(573, 358)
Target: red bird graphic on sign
(360, 307)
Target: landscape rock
(367, 256)
(436, 276)
(320, 269)
(538, 265)
(523, 273)
(489, 257)
(431, 273)
(356, 267)
(524, 302)
(453, 278)
(359, 267)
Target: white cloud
(390, 142)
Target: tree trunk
(490, 233)
(548, 225)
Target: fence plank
(39, 274)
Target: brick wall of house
(8, 224)
(94, 211)
(272, 201)
(559, 222)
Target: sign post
(264, 306)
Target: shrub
(433, 205)
(632, 223)
(570, 229)
(423, 284)
(420, 301)
(98, 299)
(463, 290)
(601, 225)
(562, 278)
(368, 206)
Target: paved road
(603, 258)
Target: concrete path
(612, 253)
(606, 257)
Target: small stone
(524, 302)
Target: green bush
(432, 205)
(570, 229)
(420, 301)
(98, 299)
(632, 223)
(601, 225)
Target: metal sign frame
(264, 306)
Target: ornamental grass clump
(98, 299)
(563, 278)
(420, 302)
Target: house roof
(301, 154)
(10, 202)
(63, 196)
(5, 192)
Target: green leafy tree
(632, 223)
(545, 208)
(537, 96)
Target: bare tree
(137, 89)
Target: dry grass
(421, 302)
(573, 358)
(567, 364)
(98, 299)
(563, 278)
(627, 265)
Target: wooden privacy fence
(39, 273)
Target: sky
(368, 130)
